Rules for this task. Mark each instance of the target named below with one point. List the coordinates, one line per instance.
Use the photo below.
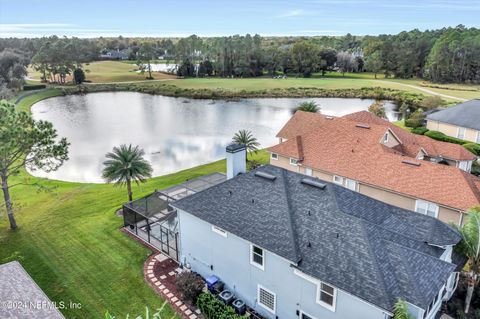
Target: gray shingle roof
(465, 114)
(18, 288)
(370, 249)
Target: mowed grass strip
(72, 247)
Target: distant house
(376, 158)
(20, 296)
(293, 246)
(461, 121)
(115, 55)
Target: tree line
(444, 55)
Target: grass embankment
(71, 245)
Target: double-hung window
(461, 133)
(426, 208)
(327, 296)
(257, 257)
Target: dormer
(389, 139)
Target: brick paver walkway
(160, 272)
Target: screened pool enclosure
(154, 221)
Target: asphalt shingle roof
(465, 114)
(18, 288)
(370, 249)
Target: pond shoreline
(159, 88)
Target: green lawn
(110, 71)
(123, 71)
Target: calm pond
(176, 133)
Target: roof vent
(411, 163)
(270, 177)
(313, 183)
(363, 126)
(309, 244)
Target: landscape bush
(473, 147)
(415, 119)
(419, 130)
(34, 87)
(439, 136)
(213, 308)
(190, 285)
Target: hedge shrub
(419, 130)
(439, 136)
(473, 147)
(213, 308)
(34, 87)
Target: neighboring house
(461, 121)
(115, 55)
(376, 158)
(292, 246)
(21, 298)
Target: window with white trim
(461, 133)
(478, 137)
(327, 295)
(266, 299)
(293, 161)
(338, 180)
(257, 256)
(274, 156)
(463, 165)
(303, 315)
(219, 231)
(351, 184)
(385, 138)
(426, 208)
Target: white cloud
(291, 13)
(31, 30)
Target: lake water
(176, 133)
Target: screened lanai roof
(156, 205)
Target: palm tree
(400, 310)
(470, 247)
(246, 137)
(308, 106)
(126, 164)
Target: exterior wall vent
(363, 126)
(313, 183)
(267, 176)
(411, 163)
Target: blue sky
(88, 18)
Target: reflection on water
(176, 133)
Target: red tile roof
(341, 147)
(302, 122)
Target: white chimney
(236, 160)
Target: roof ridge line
(378, 271)
(290, 211)
(383, 227)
